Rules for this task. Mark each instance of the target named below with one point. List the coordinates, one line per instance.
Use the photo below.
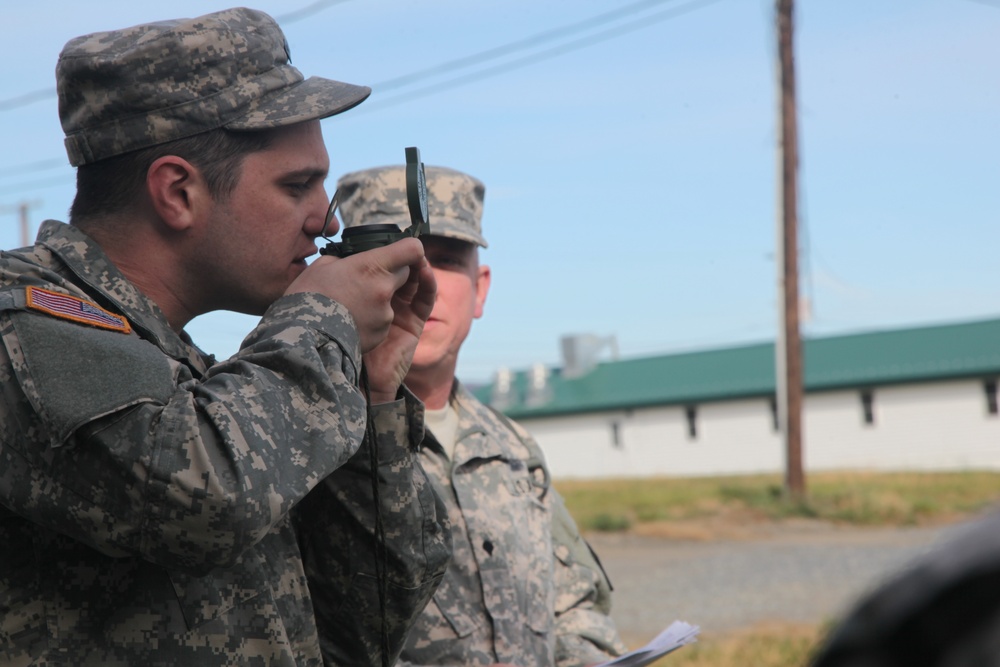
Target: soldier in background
(146, 490)
(523, 587)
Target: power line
(31, 167)
(518, 45)
(482, 56)
(467, 61)
(307, 11)
(26, 99)
(568, 47)
(38, 185)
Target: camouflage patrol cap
(124, 90)
(378, 196)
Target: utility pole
(22, 212)
(788, 351)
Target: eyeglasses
(331, 214)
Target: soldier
(523, 587)
(146, 490)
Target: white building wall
(939, 426)
(731, 437)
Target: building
(906, 399)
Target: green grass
(781, 645)
(854, 498)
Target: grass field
(854, 498)
(673, 506)
(763, 645)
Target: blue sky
(631, 172)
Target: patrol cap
(128, 89)
(378, 196)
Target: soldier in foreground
(146, 491)
(940, 610)
(523, 587)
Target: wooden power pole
(22, 213)
(788, 351)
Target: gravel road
(799, 575)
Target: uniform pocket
(203, 599)
(447, 629)
(454, 609)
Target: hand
(366, 284)
(388, 363)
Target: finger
(388, 261)
(422, 301)
(392, 257)
(409, 289)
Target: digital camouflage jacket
(146, 491)
(523, 587)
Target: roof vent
(580, 353)
(539, 389)
(502, 395)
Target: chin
(419, 365)
(427, 361)
(260, 303)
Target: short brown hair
(110, 186)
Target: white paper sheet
(676, 635)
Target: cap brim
(312, 99)
(444, 227)
(455, 230)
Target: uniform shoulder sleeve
(76, 362)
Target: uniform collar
(480, 432)
(88, 262)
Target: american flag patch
(73, 308)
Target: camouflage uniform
(145, 491)
(523, 586)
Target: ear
(482, 288)
(177, 191)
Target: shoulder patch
(75, 309)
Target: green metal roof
(896, 356)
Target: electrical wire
(449, 66)
(575, 45)
(31, 167)
(307, 11)
(38, 185)
(518, 45)
(26, 99)
(413, 77)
